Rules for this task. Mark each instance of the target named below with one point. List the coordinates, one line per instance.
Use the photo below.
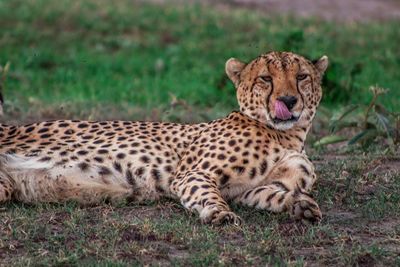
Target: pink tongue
(281, 111)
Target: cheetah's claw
(308, 210)
(224, 217)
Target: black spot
(303, 183)
(225, 178)
(43, 130)
(191, 179)
(83, 166)
(304, 169)
(29, 129)
(221, 157)
(168, 168)
(69, 132)
(246, 134)
(193, 189)
(139, 171)
(129, 177)
(117, 166)
(156, 174)
(232, 159)
(83, 125)
(271, 196)
(259, 190)
(218, 172)
(98, 159)
(145, 159)
(82, 152)
(205, 165)
(102, 151)
(263, 167)
(135, 144)
(121, 155)
(49, 123)
(104, 171)
(253, 173)
(44, 159)
(12, 131)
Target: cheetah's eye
(266, 78)
(301, 77)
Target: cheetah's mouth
(290, 119)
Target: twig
(370, 106)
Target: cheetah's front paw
(306, 209)
(223, 217)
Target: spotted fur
(250, 157)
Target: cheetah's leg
(287, 190)
(28, 180)
(197, 191)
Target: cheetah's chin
(283, 125)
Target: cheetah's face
(280, 89)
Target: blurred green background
(133, 54)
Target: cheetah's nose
(289, 101)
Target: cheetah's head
(281, 89)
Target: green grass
(140, 54)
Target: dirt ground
(332, 10)
(337, 10)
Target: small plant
(365, 123)
(3, 74)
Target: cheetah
(253, 157)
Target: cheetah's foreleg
(287, 190)
(197, 191)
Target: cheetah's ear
(321, 64)
(233, 68)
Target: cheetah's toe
(308, 210)
(224, 217)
